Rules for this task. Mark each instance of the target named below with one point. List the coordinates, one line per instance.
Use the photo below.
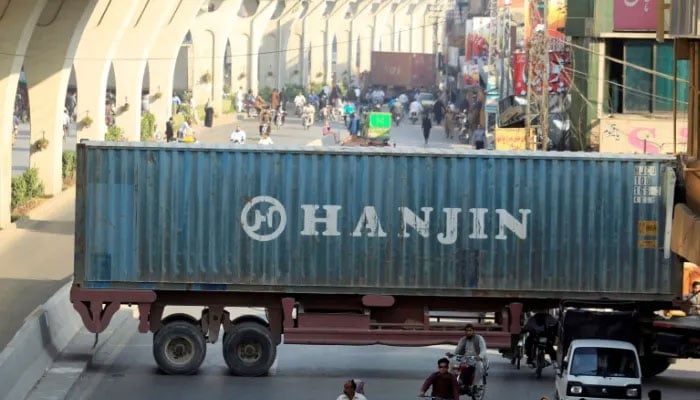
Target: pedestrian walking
(479, 137)
(275, 99)
(354, 126)
(438, 111)
(427, 125)
(66, 124)
(240, 98)
(169, 132)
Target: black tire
(479, 394)
(179, 348)
(540, 363)
(653, 365)
(249, 349)
(179, 317)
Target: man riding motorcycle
(443, 382)
(471, 344)
(307, 115)
(541, 324)
(299, 102)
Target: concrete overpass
(138, 45)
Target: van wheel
(179, 348)
(249, 349)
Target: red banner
(520, 74)
(559, 80)
(559, 71)
(634, 15)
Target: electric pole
(537, 116)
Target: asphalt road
(124, 368)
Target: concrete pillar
(163, 57)
(417, 20)
(130, 61)
(402, 26)
(315, 40)
(338, 26)
(288, 32)
(53, 44)
(362, 26)
(210, 33)
(96, 48)
(257, 29)
(380, 35)
(16, 24)
(428, 34)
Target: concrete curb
(45, 333)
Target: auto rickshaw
(376, 130)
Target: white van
(599, 369)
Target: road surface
(124, 368)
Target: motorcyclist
(265, 121)
(351, 391)
(415, 108)
(541, 324)
(299, 102)
(471, 344)
(397, 112)
(308, 111)
(444, 384)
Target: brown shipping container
(423, 70)
(391, 69)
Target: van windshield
(607, 362)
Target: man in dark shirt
(443, 382)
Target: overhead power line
(623, 62)
(305, 48)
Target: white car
(599, 369)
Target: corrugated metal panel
(390, 68)
(684, 17)
(527, 224)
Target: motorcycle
(279, 118)
(306, 121)
(541, 345)
(250, 110)
(475, 390)
(414, 117)
(517, 352)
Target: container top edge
(389, 151)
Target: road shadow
(53, 227)
(20, 298)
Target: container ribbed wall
(499, 224)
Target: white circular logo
(261, 217)
(631, 3)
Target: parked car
(427, 100)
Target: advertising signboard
(634, 15)
(511, 139)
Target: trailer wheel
(249, 349)
(653, 365)
(179, 348)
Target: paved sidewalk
(36, 259)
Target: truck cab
(599, 369)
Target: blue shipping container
(374, 220)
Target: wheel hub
(249, 352)
(179, 350)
